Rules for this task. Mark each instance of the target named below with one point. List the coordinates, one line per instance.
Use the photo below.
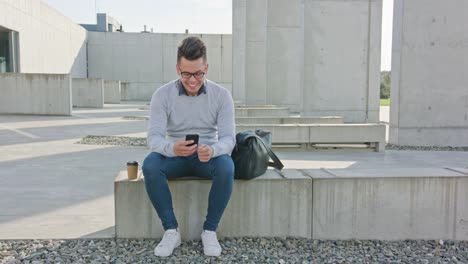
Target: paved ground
(51, 187)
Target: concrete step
(290, 120)
(390, 203)
(256, 106)
(257, 207)
(378, 203)
(372, 135)
(262, 112)
(271, 120)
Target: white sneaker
(211, 246)
(169, 242)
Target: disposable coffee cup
(132, 170)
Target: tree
(385, 84)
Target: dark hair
(191, 48)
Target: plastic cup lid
(132, 163)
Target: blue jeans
(158, 168)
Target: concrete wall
(49, 42)
(112, 92)
(429, 94)
(88, 93)
(349, 203)
(36, 94)
(317, 57)
(147, 61)
(239, 32)
(390, 208)
(342, 59)
(257, 207)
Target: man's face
(192, 74)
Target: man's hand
(205, 153)
(181, 149)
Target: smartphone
(193, 137)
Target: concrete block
(323, 133)
(349, 116)
(290, 120)
(129, 91)
(256, 21)
(255, 73)
(326, 25)
(35, 94)
(285, 13)
(214, 55)
(239, 31)
(282, 134)
(431, 136)
(269, 206)
(226, 64)
(262, 112)
(285, 66)
(239, 104)
(112, 92)
(88, 93)
(429, 104)
(347, 133)
(391, 208)
(145, 90)
(169, 55)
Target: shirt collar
(182, 90)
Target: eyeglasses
(188, 75)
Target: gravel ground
(135, 117)
(235, 250)
(420, 148)
(134, 141)
(113, 140)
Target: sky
(198, 16)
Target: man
(190, 105)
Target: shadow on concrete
(63, 132)
(106, 114)
(104, 233)
(42, 184)
(78, 113)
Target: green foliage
(384, 102)
(385, 83)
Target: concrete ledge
(429, 136)
(269, 206)
(88, 92)
(290, 120)
(349, 116)
(35, 94)
(390, 204)
(377, 203)
(262, 112)
(254, 106)
(324, 133)
(112, 91)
